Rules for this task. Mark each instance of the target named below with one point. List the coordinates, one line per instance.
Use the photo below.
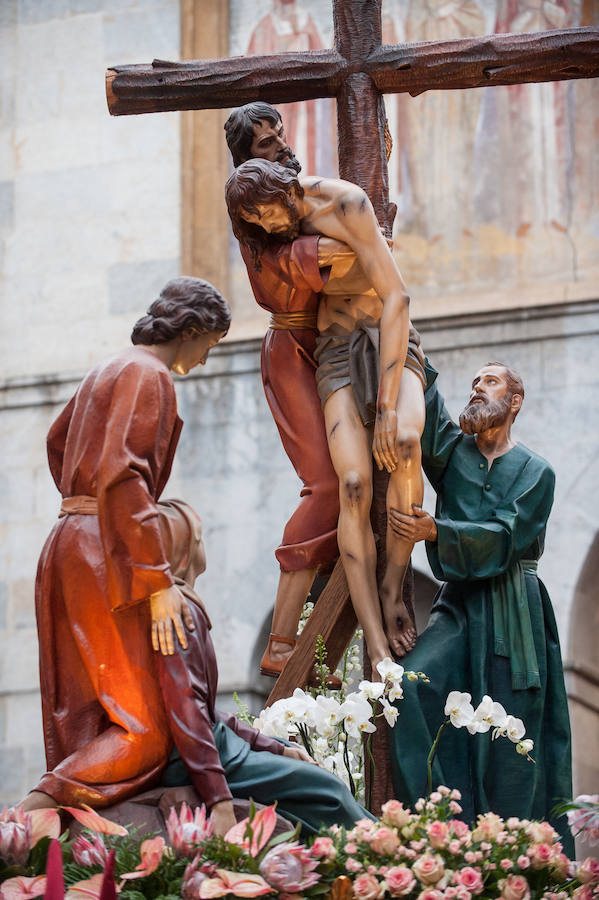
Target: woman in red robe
(104, 582)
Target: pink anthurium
(44, 823)
(152, 852)
(262, 826)
(23, 888)
(89, 818)
(240, 884)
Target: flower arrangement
(332, 728)
(425, 854)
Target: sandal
(274, 667)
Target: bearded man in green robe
(492, 629)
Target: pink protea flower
(86, 853)
(366, 887)
(324, 848)
(188, 829)
(470, 878)
(400, 881)
(385, 841)
(515, 887)
(194, 875)
(289, 868)
(15, 836)
(394, 813)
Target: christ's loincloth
(354, 360)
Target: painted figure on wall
(492, 629)
(310, 125)
(360, 384)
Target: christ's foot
(399, 628)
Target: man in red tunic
(287, 284)
(104, 583)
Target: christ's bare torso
(338, 209)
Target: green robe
(487, 521)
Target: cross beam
(393, 68)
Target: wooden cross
(357, 72)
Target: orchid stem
(431, 757)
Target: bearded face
(481, 413)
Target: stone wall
(231, 468)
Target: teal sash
(512, 625)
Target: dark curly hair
(184, 304)
(255, 182)
(239, 127)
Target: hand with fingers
(297, 752)
(169, 609)
(383, 444)
(419, 527)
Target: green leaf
(38, 856)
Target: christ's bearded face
(490, 402)
(275, 218)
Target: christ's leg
(406, 488)
(350, 447)
(292, 592)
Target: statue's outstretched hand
(383, 444)
(168, 608)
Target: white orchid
(357, 713)
(512, 728)
(389, 670)
(488, 714)
(372, 690)
(390, 712)
(459, 708)
(326, 716)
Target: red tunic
(289, 281)
(105, 728)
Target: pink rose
(470, 856)
(454, 808)
(461, 830)
(588, 871)
(400, 881)
(506, 865)
(443, 790)
(395, 814)
(560, 866)
(541, 855)
(513, 823)
(436, 797)
(455, 794)
(515, 887)
(523, 861)
(454, 847)
(428, 869)
(437, 834)
(385, 842)
(352, 865)
(366, 887)
(449, 893)
(430, 894)
(471, 879)
(324, 848)
(541, 833)
(584, 892)
(351, 848)
(462, 893)
(487, 827)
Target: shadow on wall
(582, 674)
